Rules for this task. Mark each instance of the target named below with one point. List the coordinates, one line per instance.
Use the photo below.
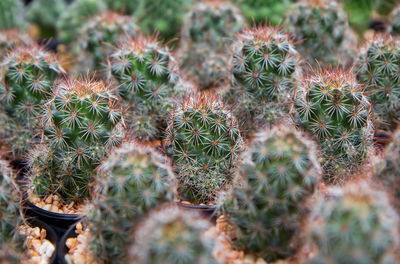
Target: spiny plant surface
(148, 80)
(81, 123)
(171, 235)
(205, 145)
(268, 201)
(263, 67)
(355, 225)
(12, 38)
(378, 67)
(132, 181)
(11, 14)
(332, 105)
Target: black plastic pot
(207, 211)
(62, 249)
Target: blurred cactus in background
(171, 235)
(205, 42)
(394, 27)
(268, 202)
(264, 66)
(132, 181)
(123, 6)
(81, 123)
(12, 38)
(205, 145)
(11, 14)
(378, 67)
(356, 224)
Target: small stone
(49, 199)
(35, 232)
(71, 242)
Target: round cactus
(132, 181)
(333, 106)
(355, 225)
(264, 66)
(279, 172)
(11, 14)
(323, 30)
(395, 21)
(148, 81)
(205, 142)
(377, 66)
(171, 235)
(81, 123)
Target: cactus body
(132, 181)
(11, 14)
(12, 38)
(279, 172)
(123, 6)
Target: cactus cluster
(378, 67)
(204, 45)
(11, 14)
(148, 81)
(264, 66)
(205, 143)
(355, 225)
(332, 105)
(81, 122)
(171, 235)
(322, 29)
(132, 181)
(279, 173)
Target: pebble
(40, 250)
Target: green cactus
(132, 181)
(333, 106)
(205, 142)
(124, 6)
(322, 29)
(279, 173)
(45, 13)
(29, 75)
(377, 66)
(148, 81)
(172, 235)
(11, 14)
(360, 12)
(204, 44)
(99, 36)
(12, 38)
(356, 224)
(264, 66)
(81, 124)
(75, 16)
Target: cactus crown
(356, 225)
(132, 181)
(172, 235)
(11, 14)
(332, 105)
(279, 172)
(377, 66)
(205, 145)
(81, 123)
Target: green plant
(29, 75)
(132, 181)
(279, 173)
(333, 106)
(99, 36)
(360, 12)
(148, 80)
(264, 66)
(75, 16)
(11, 14)
(205, 142)
(171, 235)
(377, 66)
(125, 6)
(81, 123)
(204, 44)
(12, 38)
(322, 30)
(355, 225)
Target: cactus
(264, 66)
(148, 81)
(44, 13)
(205, 144)
(171, 235)
(74, 17)
(132, 181)
(99, 36)
(322, 28)
(12, 38)
(11, 14)
(355, 225)
(81, 124)
(204, 41)
(394, 27)
(29, 74)
(123, 6)
(377, 67)
(333, 106)
(279, 172)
